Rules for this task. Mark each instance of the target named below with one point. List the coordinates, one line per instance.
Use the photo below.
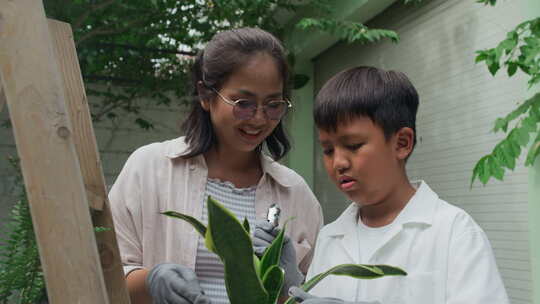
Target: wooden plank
(2, 95)
(52, 175)
(86, 147)
(77, 106)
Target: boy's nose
(341, 163)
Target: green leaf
(500, 124)
(512, 69)
(523, 136)
(359, 271)
(391, 270)
(201, 229)
(273, 282)
(493, 68)
(234, 247)
(529, 123)
(482, 56)
(506, 154)
(495, 168)
(486, 174)
(246, 225)
(508, 44)
(353, 270)
(272, 254)
(209, 241)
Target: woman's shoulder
(169, 148)
(158, 152)
(282, 174)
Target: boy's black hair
(225, 53)
(388, 98)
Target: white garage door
(459, 102)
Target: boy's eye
(328, 151)
(354, 147)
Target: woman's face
(259, 80)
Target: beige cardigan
(155, 179)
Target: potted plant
(250, 279)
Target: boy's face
(363, 164)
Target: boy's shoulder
(425, 207)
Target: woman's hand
(173, 283)
(305, 298)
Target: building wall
(116, 140)
(459, 102)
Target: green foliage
(21, 277)
(138, 49)
(347, 30)
(248, 279)
(487, 2)
(519, 51)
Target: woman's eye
(245, 103)
(327, 151)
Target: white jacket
(446, 254)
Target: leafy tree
(519, 51)
(142, 49)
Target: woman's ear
(204, 97)
(404, 142)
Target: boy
(366, 122)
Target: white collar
(420, 209)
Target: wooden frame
(55, 140)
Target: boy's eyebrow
(355, 136)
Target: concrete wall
(116, 140)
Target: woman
(240, 81)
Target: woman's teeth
(251, 132)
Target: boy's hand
(263, 236)
(305, 298)
(173, 283)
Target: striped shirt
(208, 266)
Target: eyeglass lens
(246, 109)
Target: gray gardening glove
(305, 298)
(173, 283)
(264, 234)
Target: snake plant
(249, 279)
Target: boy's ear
(204, 97)
(404, 142)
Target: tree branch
(116, 80)
(104, 30)
(143, 49)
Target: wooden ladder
(51, 121)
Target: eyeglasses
(246, 109)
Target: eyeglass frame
(235, 102)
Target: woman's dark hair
(226, 52)
(388, 98)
